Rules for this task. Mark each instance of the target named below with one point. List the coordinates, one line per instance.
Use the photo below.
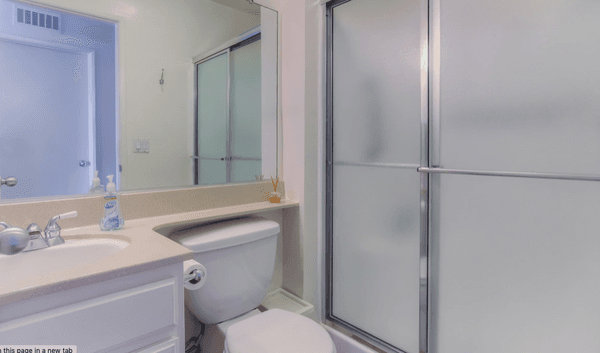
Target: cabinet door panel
(169, 346)
(99, 323)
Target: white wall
(161, 34)
(301, 108)
(314, 182)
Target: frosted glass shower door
(375, 195)
(246, 118)
(213, 119)
(515, 262)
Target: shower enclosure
(463, 160)
(228, 124)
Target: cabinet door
(168, 346)
(100, 323)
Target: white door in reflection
(46, 119)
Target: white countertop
(147, 250)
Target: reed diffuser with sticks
(274, 197)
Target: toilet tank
(239, 256)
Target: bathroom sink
(71, 254)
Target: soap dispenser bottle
(113, 217)
(96, 187)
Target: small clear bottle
(113, 217)
(96, 187)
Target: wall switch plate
(137, 146)
(141, 145)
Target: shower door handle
(560, 176)
(210, 159)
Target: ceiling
(241, 5)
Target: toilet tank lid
(225, 234)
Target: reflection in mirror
(159, 94)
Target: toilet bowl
(239, 256)
(277, 331)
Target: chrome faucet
(13, 240)
(52, 230)
(36, 239)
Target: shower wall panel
(519, 85)
(515, 261)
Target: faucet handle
(71, 214)
(52, 230)
(36, 240)
(5, 225)
(33, 229)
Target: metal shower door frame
(429, 102)
(196, 155)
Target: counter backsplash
(137, 204)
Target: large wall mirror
(161, 94)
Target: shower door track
(379, 165)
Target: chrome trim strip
(329, 163)
(427, 306)
(196, 147)
(379, 165)
(433, 268)
(229, 121)
(424, 180)
(584, 177)
(220, 52)
(434, 82)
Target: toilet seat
(276, 331)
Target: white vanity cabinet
(141, 312)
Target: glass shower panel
(376, 121)
(211, 172)
(376, 252)
(245, 170)
(377, 89)
(246, 118)
(213, 115)
(519, 85)
(516, 266)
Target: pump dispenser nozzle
(96, 180)
(111, 187)
(96, 187)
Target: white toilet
(239, 257)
